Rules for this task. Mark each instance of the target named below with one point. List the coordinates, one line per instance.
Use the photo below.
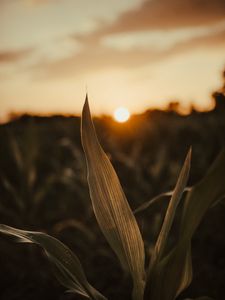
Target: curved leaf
(111, 208)
(68, 269)
(155, 199)
(203, 195)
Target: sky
(132, 53)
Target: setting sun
(121, 114)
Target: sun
(121, 114)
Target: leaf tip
(86, 99)
(190, 152)
(188, 157)
(85, 106)
(86, 114)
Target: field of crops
(44, 188)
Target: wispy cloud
(37, 2)
(125, 46)
(164, 14)
(154, 30)
(97, 53)
(13, 56)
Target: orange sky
(133, 53)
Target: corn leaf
(67, 266)
(155, 285)
(110, 206)
(11, 190)
(170, 213)
(174, 272)
(155, 200)
(171, 275)
(203, 195)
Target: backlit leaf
(111, 208)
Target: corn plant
(24, 187)
(170, 269)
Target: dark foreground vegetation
(43, 187)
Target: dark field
(43, 187)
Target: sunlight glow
(121, 114)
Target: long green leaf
(111, 208)
(68, 269)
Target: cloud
(161, 16)
(13, 56)
(167, 14)
(38, 2)
(101, 57)
(160, 40)
(169, 26)
(26, 2)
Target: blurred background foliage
(43, 187)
